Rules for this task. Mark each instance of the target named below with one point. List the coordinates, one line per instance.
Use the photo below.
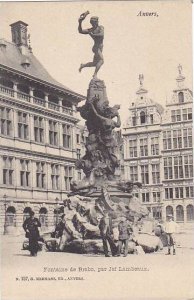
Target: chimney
(19, 33)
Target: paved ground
(153, 276)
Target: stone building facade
(38, 135)
(158, 152)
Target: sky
(133, 45)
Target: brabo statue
(97, 34)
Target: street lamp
(5, 205)
(57, 206)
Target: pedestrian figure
(170, 229)
(62, 233)
(125, 230)
(30, 226)
(106, 233)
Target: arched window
(181, 97)
(169, 211)
(53, 98)
(26, 213)
(43, 217)
(179, 213)
(142, 117)
(6, 83)
(23, 88)
(190, 212)
(38, 94)
(10, 218)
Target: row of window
(41, 171)
(143, 150)
(142, 119)
(176, 139)
(178, 115)
(170, 193)
(6, 128)
(172, 139)
(179, 192)
(178, 167)
(179, 212)
(145, 173)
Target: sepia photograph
(96, 150)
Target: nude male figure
(97, 34)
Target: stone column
(15, 123)
(46, 131)
(60, 104)
(15, 84)
(46, 99)
(60, 140)
(31, 127)
(73, 142)
(31, 94)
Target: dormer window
(142, 117)
(151, 119)
(25, 63)
(181, 97)
(134, 121)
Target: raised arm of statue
(81, 18)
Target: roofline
(74, 94)
(18, 22)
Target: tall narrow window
(177, 139)
(155, 173)
(23, 127)
(167, 143)
(5, 121)
(144, 147)
(187, 137)
(181, 97)
(178, 167)
(142, 117)
(178, 192)
(134, 122)
(40, 175)
(144, 174)
(154, 146)
(78, 153)
(168, 168)
(189, 190)
(133, 148)
(145, 197)
(156, 196)
(68, 176)
(188, 166)
(24, 173)
(176, 115)
(7, 170)
(78, 138)
(53, 133)
(67, 132)
(168, 193)
(133, 173)
(55, 176)
(151, 119)
(38, 129)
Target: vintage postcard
(96, 150)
